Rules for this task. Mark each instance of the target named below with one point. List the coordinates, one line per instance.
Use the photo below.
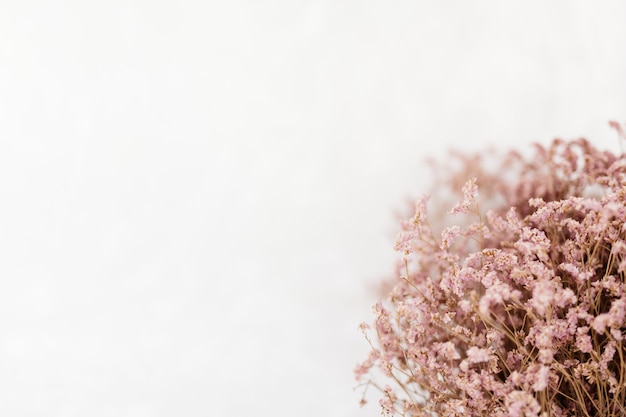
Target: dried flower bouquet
(518, 308)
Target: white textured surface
(198, 197)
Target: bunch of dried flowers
(519, 307)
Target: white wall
(197, 197)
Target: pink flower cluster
(514, 311)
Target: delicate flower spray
(519, 307)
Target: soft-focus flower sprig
(518, 310)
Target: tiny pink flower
(522, 404)
(542, 378)
(470, 192)
(478, 355)
(448, 235)
(583, 340)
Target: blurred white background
(198, 197)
